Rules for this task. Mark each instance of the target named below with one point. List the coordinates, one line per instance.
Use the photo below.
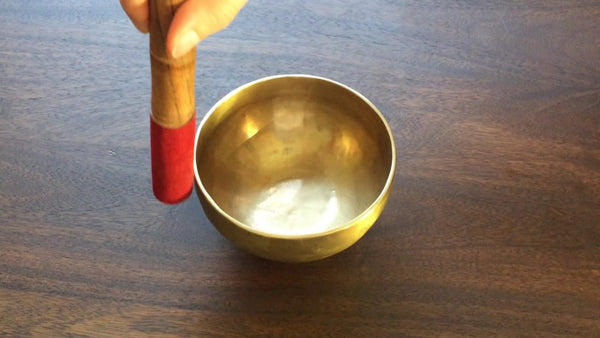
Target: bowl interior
(293, 155)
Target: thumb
(197, 19)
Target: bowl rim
(382, 194)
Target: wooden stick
(172, 122)
(173, 103)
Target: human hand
(194, 20)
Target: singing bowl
(293, 168)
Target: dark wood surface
(493, 226)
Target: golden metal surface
(294, 167)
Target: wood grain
(493, 226)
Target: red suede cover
(172, 152)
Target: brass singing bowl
(293, 167)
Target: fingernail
(185, 43)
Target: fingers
(196, 20)
(138, 12)
(193, 21)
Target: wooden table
(493, 226)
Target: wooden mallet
(173, 116)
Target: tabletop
(493, 223)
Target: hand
(194, 20)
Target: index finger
(138, 12)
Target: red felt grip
(172, 152)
